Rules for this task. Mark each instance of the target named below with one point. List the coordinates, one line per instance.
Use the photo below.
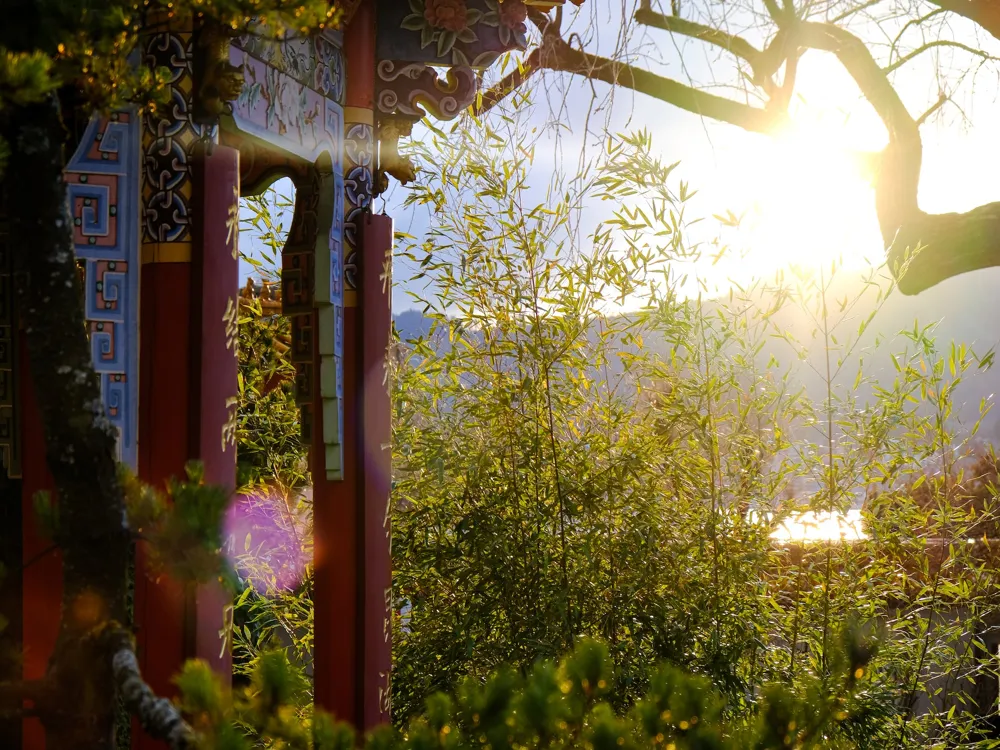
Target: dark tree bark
(93, 661)
(92, 532)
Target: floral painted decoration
(450, 15)
(442, 22)
(508, 16)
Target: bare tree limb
(559, 56)
(937, 43)
(922, 249)
(773, 10)
(764, 63)
(941, 101)
(866, 72)
(737, 45)
(854, 10)
(910, 24)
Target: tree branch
(559, 56)
(937, 43)
(911, 23)
(764, 63)
(941, 101)
(922, 249)
(898, 175)
(983, 12)
(866, 72)
(677, 25)
(930, 248)
(79, 439)
(773, 10)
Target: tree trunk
(80, 707)
(944, 245)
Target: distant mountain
(965, 309)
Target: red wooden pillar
(351, 571)
(376, 461)
(188, 391)
(215, 389)
(164, 426)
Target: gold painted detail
(359, 115)
(166, 252)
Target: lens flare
(268, 539)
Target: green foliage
(182, 525)
(566, 469)
(46, 514)
(269, 614)
(270, 447)
(555, 706)
(266, 707)
(587, 445)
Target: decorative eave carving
(217, 81)
(414, 90)
(416, 39)
(407, 92)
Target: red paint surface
(42, 574)
(186, 374)
(164, 398)
(215, 387)
(336, 552)
(338, 510)
(376, 458)
(359, 52)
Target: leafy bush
(583, 446)
(270, 524)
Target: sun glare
(810, 204)
(821, 527)
(804, 193)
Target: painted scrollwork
(415, 89)
(103, 190)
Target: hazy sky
(804, 201)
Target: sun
(809, 204)
(804, 193)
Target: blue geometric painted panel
(103, 189)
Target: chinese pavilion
(154, 200)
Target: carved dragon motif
(220, 81)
